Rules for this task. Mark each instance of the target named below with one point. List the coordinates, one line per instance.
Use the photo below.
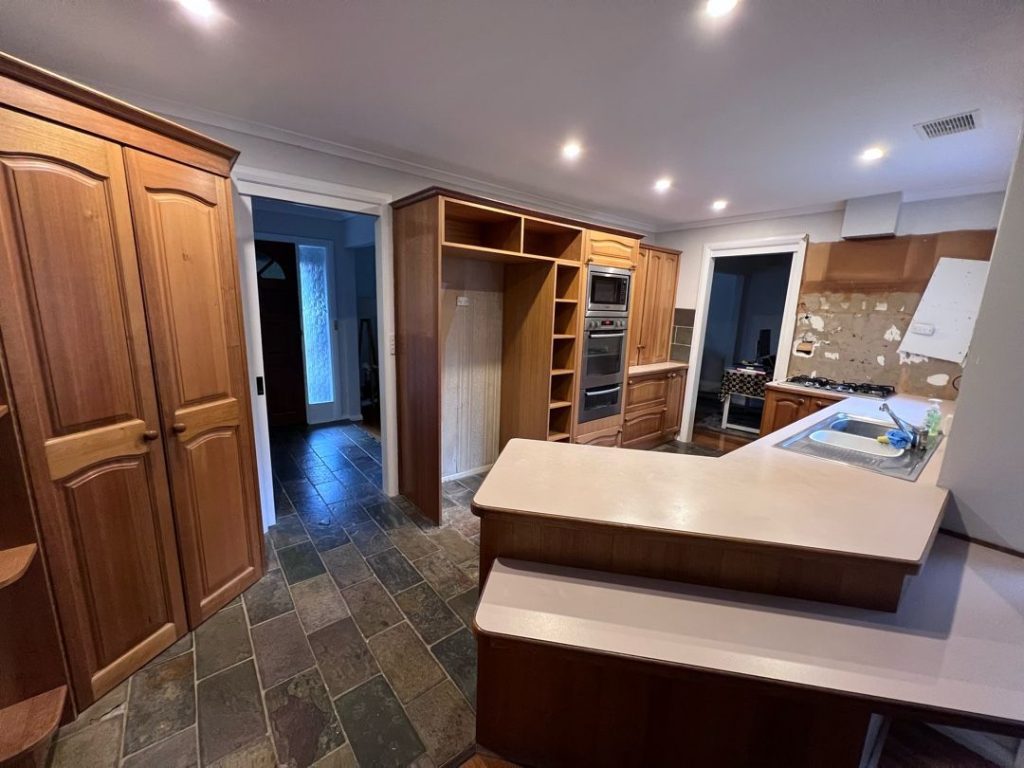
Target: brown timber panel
(186, 248)
(79, 374)
(417, 265)
(829, 578)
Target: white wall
(920, 217)
(983, 461)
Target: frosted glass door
(319, 345)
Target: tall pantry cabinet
(120, 322)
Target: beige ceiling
(768, 108)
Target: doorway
(743, 331)
(744, 318)
(315, 276)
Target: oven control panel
(605, 324)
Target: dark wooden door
(281, 330)
(79, 361)
(186, 250)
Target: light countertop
(954, 645)
(759, 493)
(671, 365)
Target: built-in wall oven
(608, 291)
(603, 367)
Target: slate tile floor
(353, 650)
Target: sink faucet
(918, 435)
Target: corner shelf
(29, 723)
(558, 437)
(14, 562)
(4, 410)
(556, 404)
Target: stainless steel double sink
(853, 440)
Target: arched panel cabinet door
(186, 250)
(74, 330)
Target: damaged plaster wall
(857, 301)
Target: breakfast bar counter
(701, 676)
(760, 519)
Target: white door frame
(315, 414)
(797, 244)
(256, 182)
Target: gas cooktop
(865, 389)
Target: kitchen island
(759, 519)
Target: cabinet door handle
(178, 427)
(150, 435)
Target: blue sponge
(898, 438)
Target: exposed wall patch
(911, 359)
(881, 359)
(893, 334)
(938, 379)
(831, 355)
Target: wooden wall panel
(526, 351)
(417, 264)
(471, 363)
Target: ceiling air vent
(947, 126)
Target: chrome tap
(918, 435)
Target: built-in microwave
(608, 290)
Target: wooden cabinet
(608, 438)
(784, 406)
(653, 304)
(187, 254)
(72, 314)
(122, 332)
(674, 402)
(646, 392)
(611, 249)
(654, 407)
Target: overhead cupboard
(124, 351)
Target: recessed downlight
(719, 205)
(571, 150)
(201, 11)
(872, 154)
(662, 185)
(718, 8)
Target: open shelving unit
(533, 395)
(475, 231)
(27, 725)
(33, 686)
(564, 336)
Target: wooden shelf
(557, 437)
(4, 410)
(562, 371)
(28, 724)
(488, 254)
(559, 404)
(566, 301)
(561, 336)
(14, 562)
